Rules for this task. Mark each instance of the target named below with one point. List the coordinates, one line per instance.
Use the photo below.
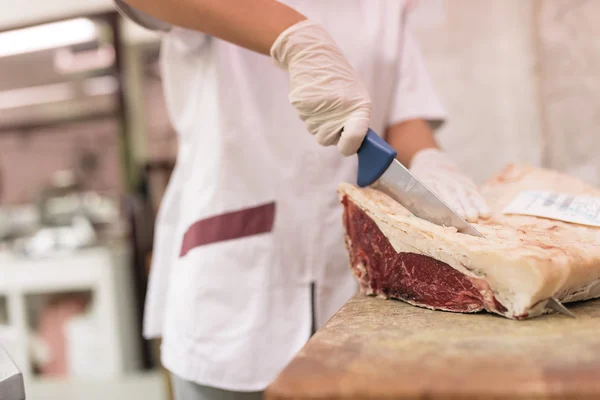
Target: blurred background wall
(42, 132)
(520, 80)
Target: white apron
(251, 216)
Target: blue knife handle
(374, 158)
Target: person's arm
(251, 24)
(410, 137)
(324, 87)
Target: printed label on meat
(584, 210)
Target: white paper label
(583, 210)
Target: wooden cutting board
(384, 349)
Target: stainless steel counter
(11, 379)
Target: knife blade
(378, 168)
(555, 305)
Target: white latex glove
(326, 91)
(440, 174)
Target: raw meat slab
(521, 262)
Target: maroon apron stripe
(228, 226)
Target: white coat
(251, 216)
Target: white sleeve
(414, 96)
(141, 18)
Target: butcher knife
(379, 169)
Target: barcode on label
(583, 210)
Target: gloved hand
(326, 91)
(440, 174)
